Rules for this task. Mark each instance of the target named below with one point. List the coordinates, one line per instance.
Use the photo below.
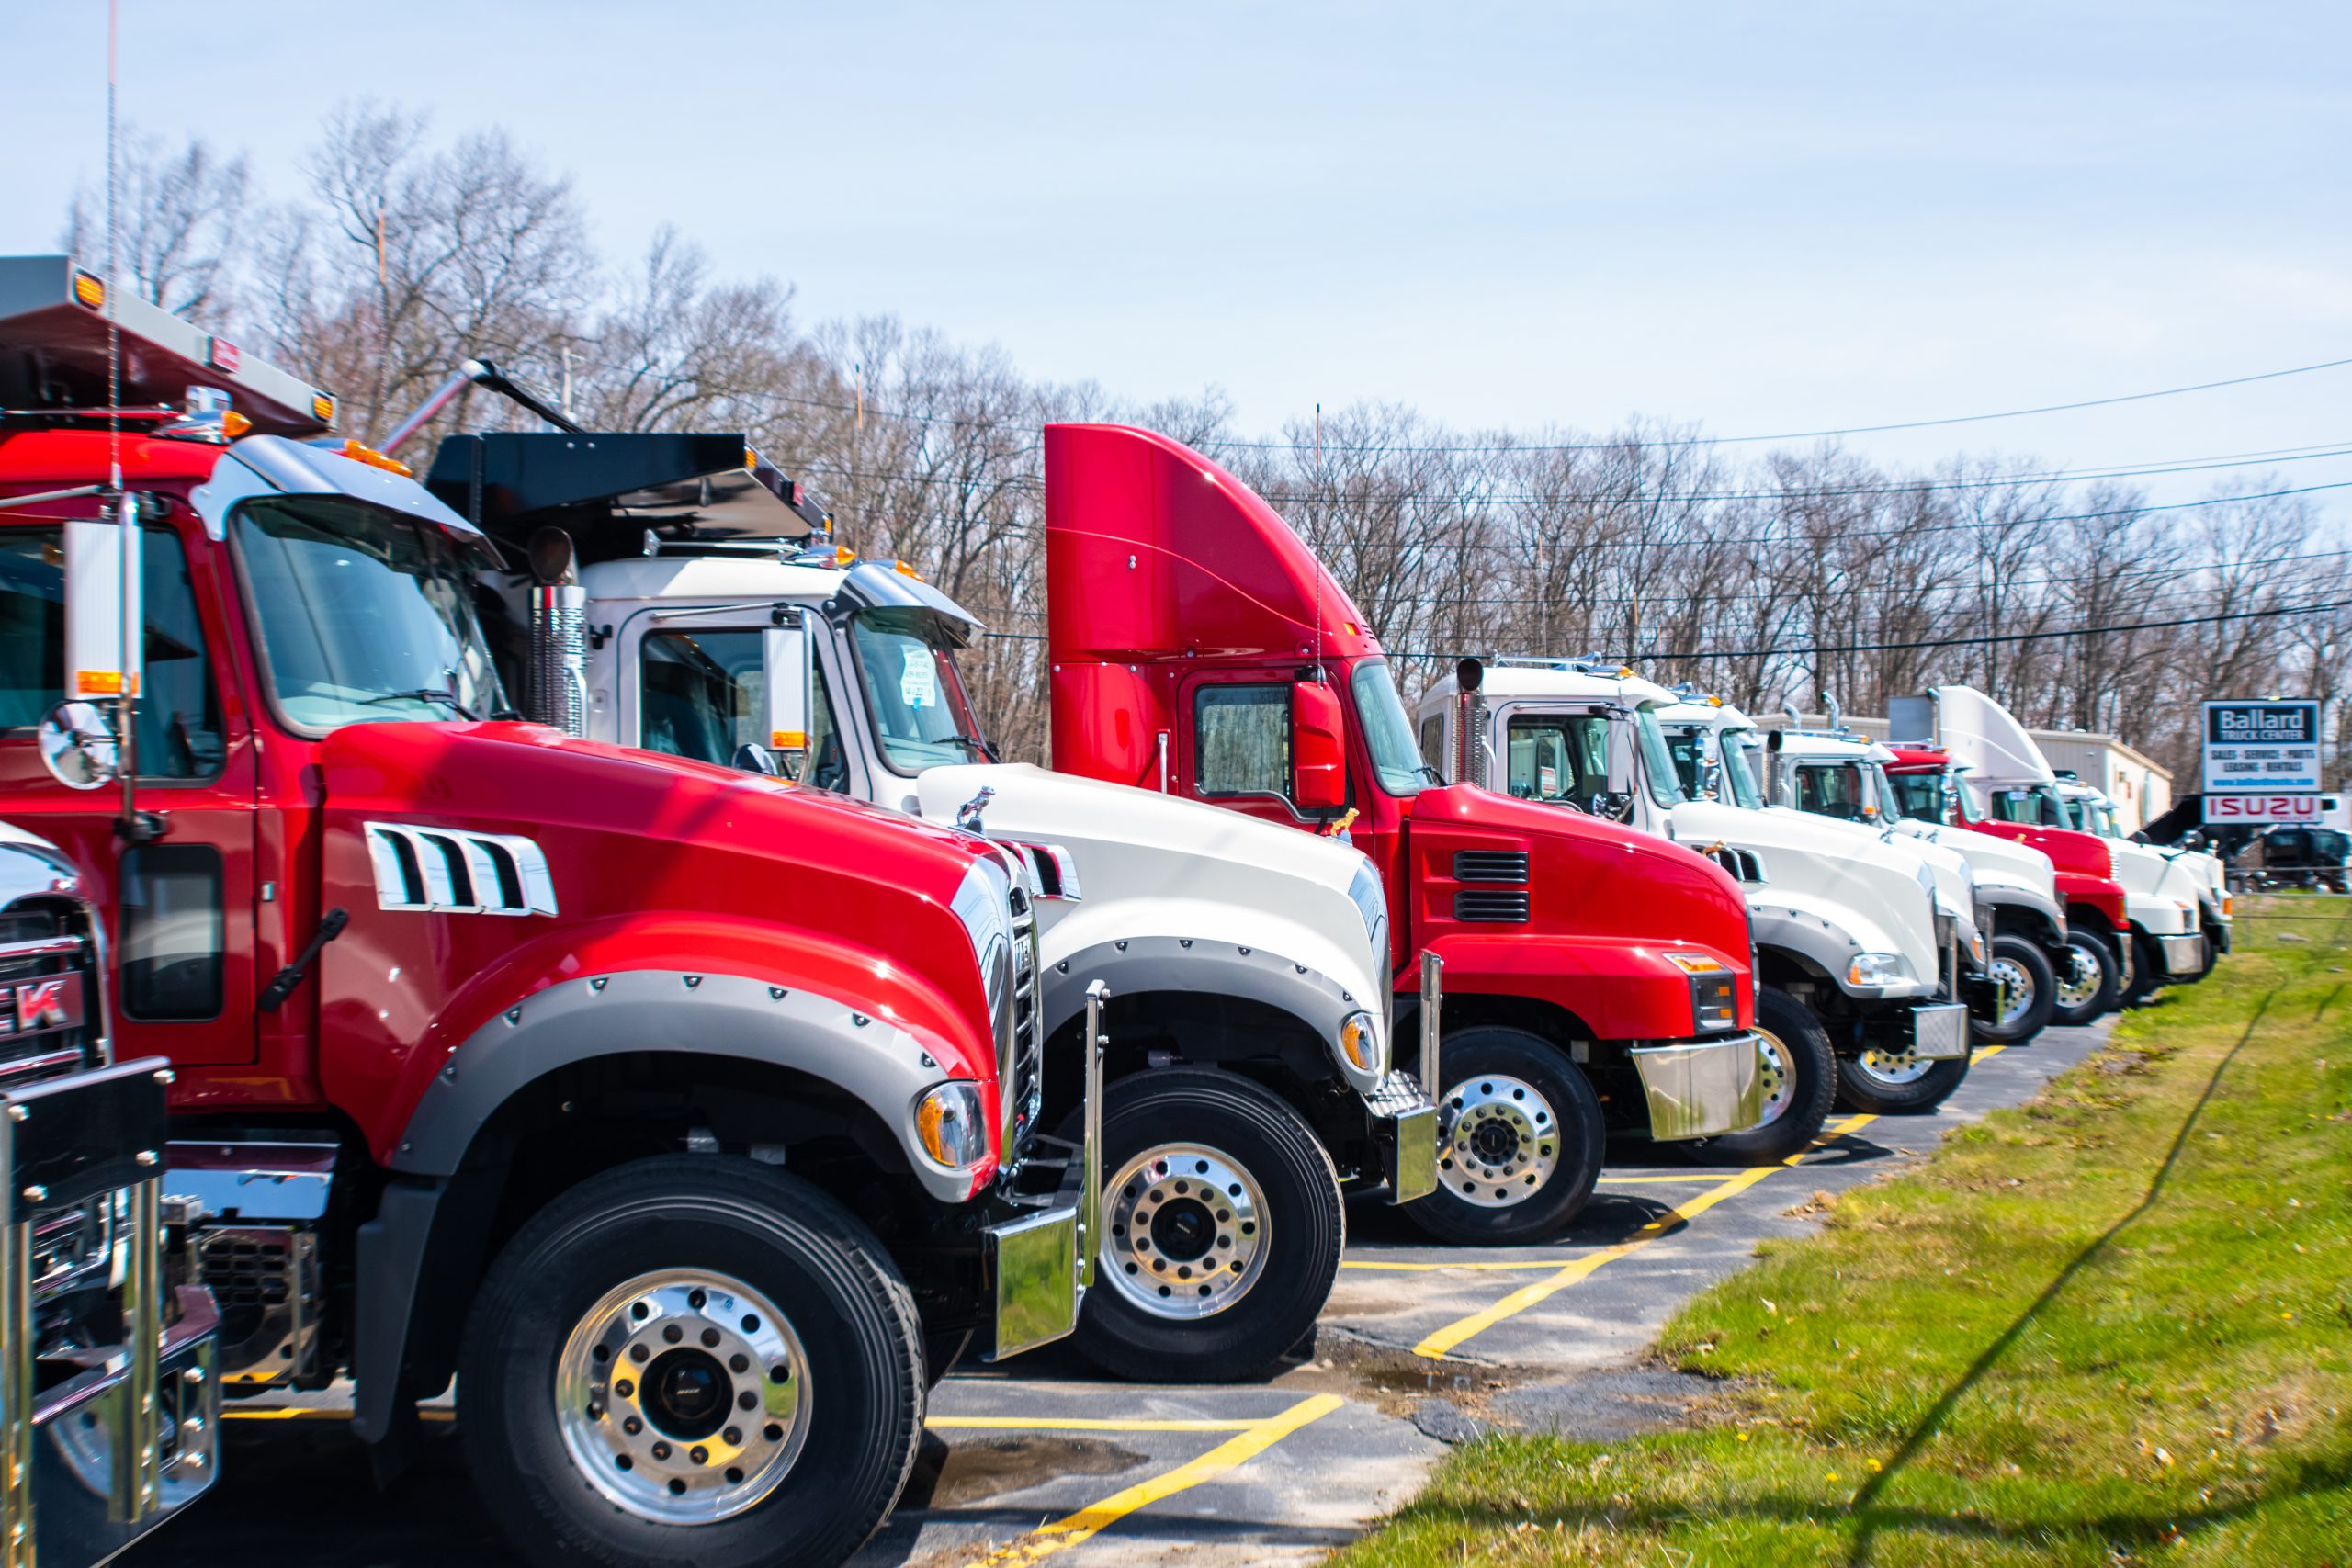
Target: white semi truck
(1251, 1077)
(2091, 811)
(1859, 950)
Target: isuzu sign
(2261, 747)
(2265, 810)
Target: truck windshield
(1657, 763)
(364, 616)
(906, 664)
(1831, 789)
(1734, 745)
(1919, 796)
(1388, 733)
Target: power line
(1823, 435)
(1470, 499)
(1659, 655)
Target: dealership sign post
(2262, 761)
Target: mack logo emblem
(33, 1006)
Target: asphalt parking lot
(1419, 1347)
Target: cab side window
(1558, 757)
(1831, 792)
(179, 710)
(701, 693)
(1241, 741)
(1434, 742)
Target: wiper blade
(426, 695)
(977, 744)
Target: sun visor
(271, 465)
(53, 353)
(1153, 549)
(1983, 736)
(609, 489)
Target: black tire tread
(1449, 1220)
(831, 1240)
(1817, 1084)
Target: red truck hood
(1586, 876)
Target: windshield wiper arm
(977, 744)
(426, 695)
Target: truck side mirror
(751, 758)
(1318, 768)
(789, 672)
(101, 599)
(78, 746)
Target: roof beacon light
(375, 459)
(89, 290)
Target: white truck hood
(2159, 893)
(1153, 865)
(1993, 862)
(1871, 887)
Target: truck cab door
(180, 910)
(1237, 744)
(700, 686)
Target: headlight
(1877, 969)
(1976, 946)
(949, 1125)
(1714, 991)
(1361, 1044)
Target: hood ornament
(967, 816)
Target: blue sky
(1758, 217)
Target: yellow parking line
(1090, 1521)
(1609, 1180)
(1075, 1424)
(1503, 1267)
(1455, 1334)
(1002, 1423)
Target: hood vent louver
(451, 871)
(1491, 906)
(1490, 865)
(1743, 864)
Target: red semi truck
(1928, 787)
(1595, 978)
(689, 1112)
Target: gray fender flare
(1140, 965)
(2015, 909)
(1828, 947)
(649, 1009)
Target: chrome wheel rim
(1185, 1231)
(2012, 992)
(1895, 1067)
(1498, 1141)
(1777, 1067)
(2079, 984)
(682, 1397)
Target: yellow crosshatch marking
(1090, 1521)
(1457, 1333)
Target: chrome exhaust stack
(555, 689)
(1469, 715)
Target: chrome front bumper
(1940, 1031)
(1404, 1123)
(1042, 1262)
(1702, 1089)
(2179, 957)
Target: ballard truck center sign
(2262, 761)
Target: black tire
(580, 1259)
(1801, 1084)
(1861, 1086)
(1259, 1157)
(2030, 971)
(1475, 1062)
(2145, 980)
(2104, 998)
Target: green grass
(2075, 1336)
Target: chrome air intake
(1021, 1055)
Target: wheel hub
(2012, 991)
(1779, 1070)
(2079, 984)
(1185, 1231)
(682, 1397)
(1902, 1067)
(1498, 1141)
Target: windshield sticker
(1547, 781)
(918, 682)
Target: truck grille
(48, 999)
(1021, 1077)
(1478, 904)
(50, 1026)
(1490, 865)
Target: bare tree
(179, 226)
